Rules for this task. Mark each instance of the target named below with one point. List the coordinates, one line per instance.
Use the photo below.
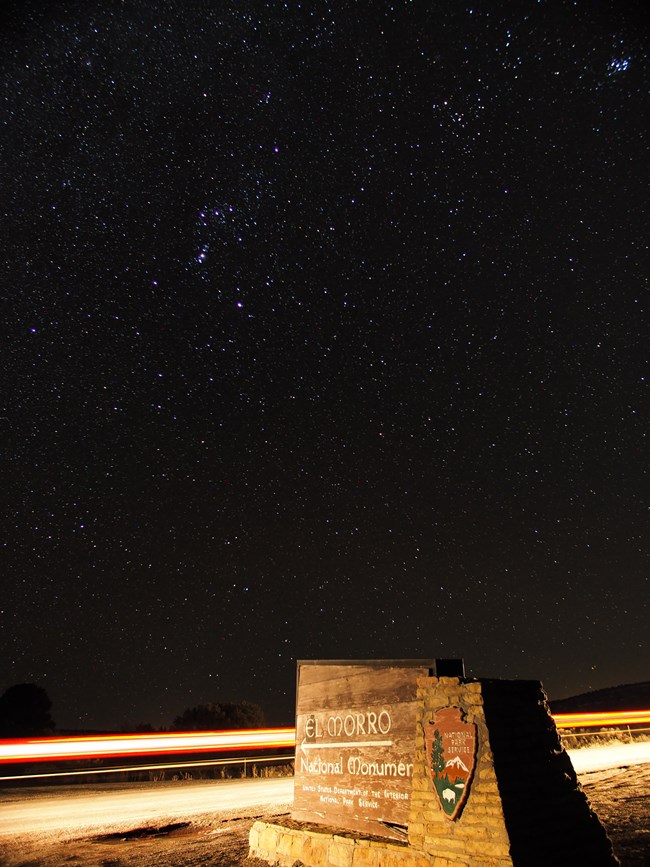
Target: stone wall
(478, 836)
(286, 844)
(524, 807)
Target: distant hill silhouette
(629, 696)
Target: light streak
(242, 760)
(106, 746)
(602, 718)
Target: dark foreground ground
(621, 797)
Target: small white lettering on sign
(366, 802)
(396, 796)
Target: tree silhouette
(25, 712)
(230, 715)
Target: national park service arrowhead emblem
(450, 745)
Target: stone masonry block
(290, 846)
(340, 854)
(435, 817)
(365, 857)
(445, 844)
(269, 838)
(495, 848)
(445, 862)
(315, 850)
(487, 773)
(476, 832)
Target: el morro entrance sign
(408, 763)
(355, 742)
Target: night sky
(324, 335)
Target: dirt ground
(621, 798)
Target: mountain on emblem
(457, 762)
(451, 753)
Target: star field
(324, 335)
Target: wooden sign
(355, 743)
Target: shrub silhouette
(230, 715)
(25, 712)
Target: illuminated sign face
(355, 744)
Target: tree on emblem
(437, 754)
(451, 754)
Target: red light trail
(106, 746)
